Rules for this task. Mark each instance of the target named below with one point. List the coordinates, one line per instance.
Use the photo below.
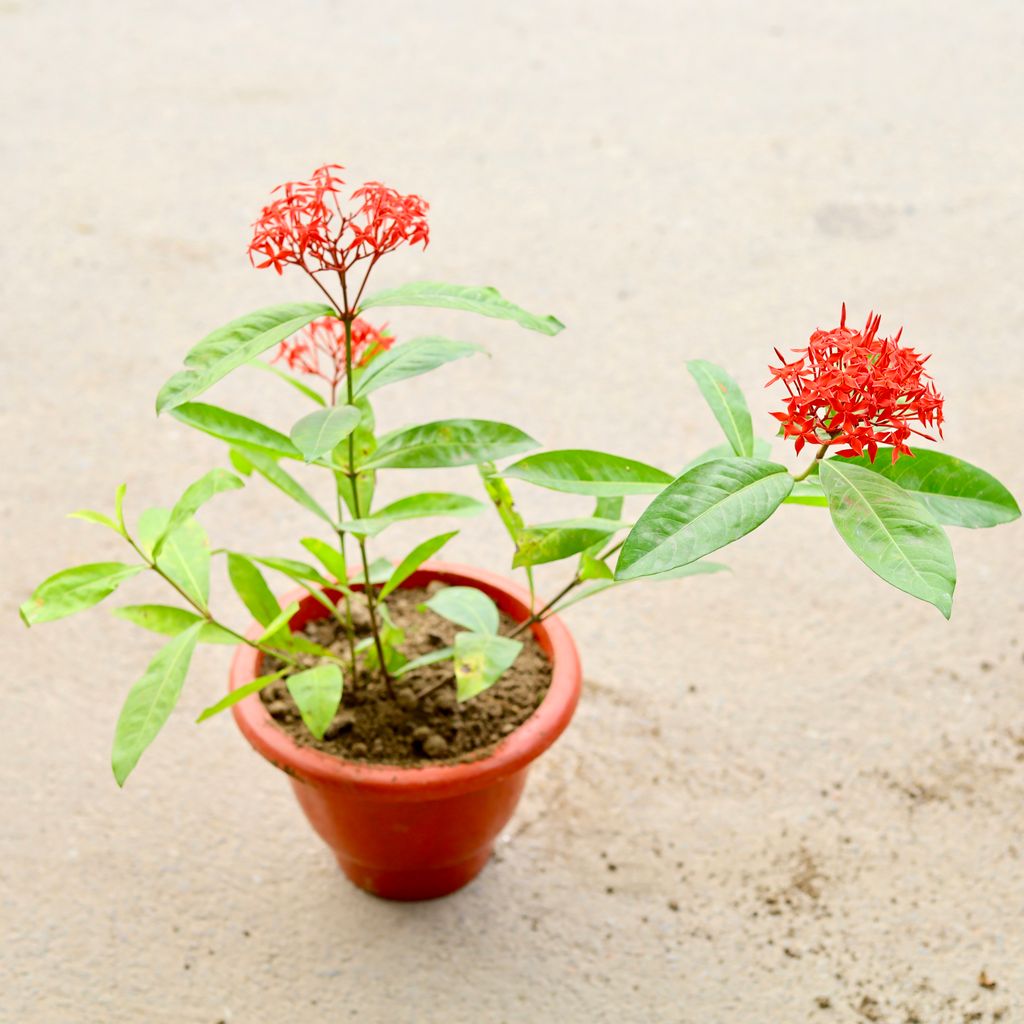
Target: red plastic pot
(416, 833)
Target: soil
(408, 729)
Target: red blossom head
(319, 348)
(307, 225)
(857, 389)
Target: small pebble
(435, 746)
(406, 699)
(359, 750)
(421, 733)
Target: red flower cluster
(307, 227)
(319, 348)
(857, 389)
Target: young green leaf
(483, 300)
(74, 590)
(417, 506)
(481, 659)
(379, 570)
(119, 508)
(592, 568)
(364, 444)
(170, 621)
(320, 432)
(891, 532)
(414, 560)
(239, 694)
(441, 654)
(576, 471)
(185, 558)
(467, 607)
(235, 343)
(448, 443)
(279, 623)
(726, 400)
(706, 508)
(89, 516)
(150, 701)
(196, 495)
(235, 429)
(549, 542)
(252, 588)
(416, 357)
(300, 572)
(267, 468)
(317, 692)
(955, 492)
(329, 557)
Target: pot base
(420, 884)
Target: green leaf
(303, 389)
(481, 660)
(317, 692)
(329, 557)
(321, 431)
(483, 300)
(414, 560)
(119, 508)
(234, 344)
(592, 568)
(706, 508)
(723, 394)
(379, 570)
(271, 472)
(467, 607)
(252, 588)
(278, 623)
(239, 694)
(955, 492)
(549, 542)
(416, 506)
(151, 701)
(762, 450)
(185, 557)
(807, 492)
(170, 621)
(293, 569)
(891, 532)
(448, 443)
(89, 516)
(441, 654)
(196, 495)
(364, 444)
(235, 429)
(416, 357)
(74, 590)
(576, 471)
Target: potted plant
(406, 699)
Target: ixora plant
(407, 698)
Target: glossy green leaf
(185, 557)
(151, 701)
(592, 568)
(416, 506)
(74, 590)
(232, 698)
(467, 607)
(955, 492)
(329, 557)
(234, 344)
(293, 569)
(89, 516)
(807, 492)
(448, 443)
(891, 532)
(577, 471)
(320, 432)
(217, 481)
(762, 450)
(474, 299)
(481, 659)
(414, 560)
(441, 654)
(549, 542)
(252, 588)
(303, 389)
(170, 621)
(726, 400)
(247, 461)
(364, 443)
(279, 623)
(235, 429)
(317, 693)
(416, 357)
(705, 509)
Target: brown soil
(371, 726)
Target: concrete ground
(790, 793)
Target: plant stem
(818, 456)
(565, 591)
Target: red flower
(307, 227)
(857, 389)
(319, 348)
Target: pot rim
(527, 742)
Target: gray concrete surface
(790, 794)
